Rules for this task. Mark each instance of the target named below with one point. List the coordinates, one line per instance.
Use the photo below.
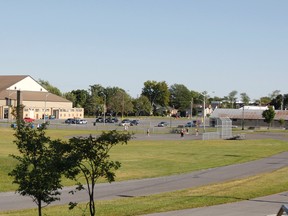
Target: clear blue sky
(207, 45)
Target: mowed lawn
(143, 159)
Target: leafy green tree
(93, 160)
(50, 88)
(245, 98)
(268, 115)
(142, 106)
(280, 101)
(232, 98)
(274, 94)
(81, 96)
(264, 101)
(180, 97)
(94, 104)
(157, 93)
(121, 102)
(41, 164)
(71, 97)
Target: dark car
(189, 124)
(69, 121)
(99, 119)
(134, 122)
(111, 120)
(163, 124)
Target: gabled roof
(7, 81)
(32, 96)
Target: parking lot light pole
(191, 112)
(204, 114)
(44, 118)
(104, 107)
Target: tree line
(156, 98)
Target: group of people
(187, 132)
(181, 133)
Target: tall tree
(95, 102)
(268, 115)
(41, 164)
(93, 160)
(157, 93)
(81, 97)
(142, 106)
(274, 94)
(180, 97)
(121, 102)
(245, 98)
(50, 88)
(264, 101)
(71, 97)
(232, 97)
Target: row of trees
(156, 98)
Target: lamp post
(204, 114)
(191, 112)
(104, 108)
(243, 116)
(44, 117)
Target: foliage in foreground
(41, 164)
(93, 160)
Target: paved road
(262, 206)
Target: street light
(45, 107)
(104, 107)
(191, 112)
(204, 114)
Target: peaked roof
(7, 81)
(32, 96)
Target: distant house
(250, 115)
(37, 101)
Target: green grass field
(143, 159)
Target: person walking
(182, 133)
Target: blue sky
(206, 45)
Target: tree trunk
(39, 208)
(92, 206)
(91, 201)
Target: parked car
(190, 124)
(99, 119)
(28, 119)
(111, 120)
(163, 124)
(125, 122)
(69, 121)
(81, 121)
(134, 122)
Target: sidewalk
(262, 206)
